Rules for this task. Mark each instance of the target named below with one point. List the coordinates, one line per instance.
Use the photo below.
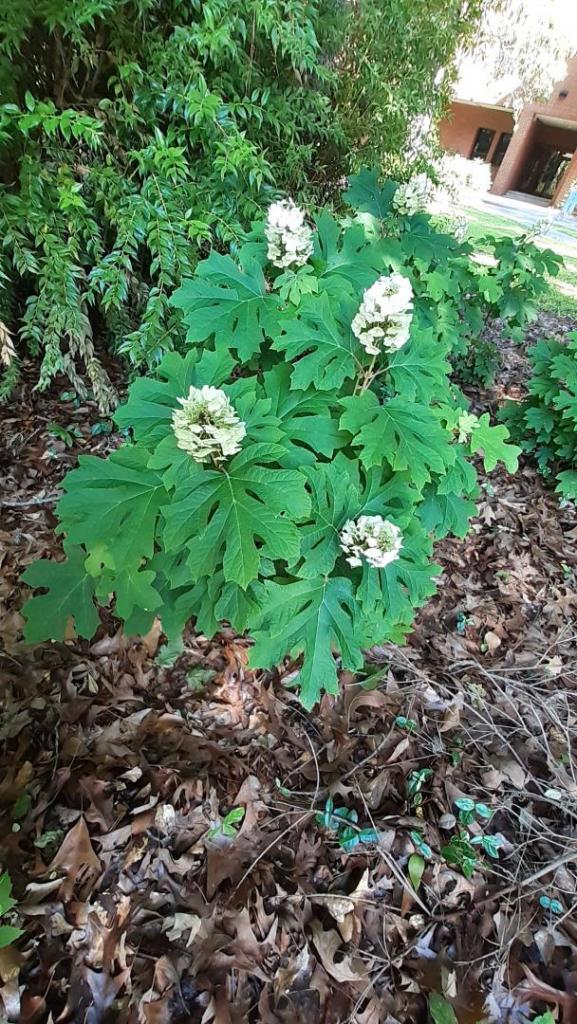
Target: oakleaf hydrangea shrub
(290, 472)
(545, 423)
(511, 276)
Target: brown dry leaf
(492, 641)
(513, 770)
(77, 858)
(327, 944)
(182, 926)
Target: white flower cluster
(371, 539)
(207, 426)
(383, 321)
(414, 196)
(290, 239)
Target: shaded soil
(120, 763)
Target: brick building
(537, 157)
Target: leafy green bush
(511, 279)
(135, 133)
(546, 422)
(290, 472)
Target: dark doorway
(544, 170)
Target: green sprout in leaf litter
(469, 810)
(554, 905)
(460, 852)
(406, 723)
(415, 783)
(228, 826)
(344, 821)
(420, 845)
(490, 844)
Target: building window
(501, 148)
(483, 142)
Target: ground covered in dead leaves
(120, 761)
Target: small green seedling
(555, 906)
(490, 844)
(460, 852)
(344, 821)
(227, 827)
(420, 845)
(66, 434)
(415, 784)
(469, 810)
(8, 933)
(406, 723)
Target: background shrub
(510, 277)
(134, 134)
(321, 429)
(546, 422)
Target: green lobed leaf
(219, 515)
(111, 506)
(321, 347)
(492, 442)
(366, 194)
(313, 618)
(70, 598)
(406, 437)
(228, 303)
(418, 370)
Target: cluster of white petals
(414, 196)
(371, 539)
(290, 239)
(207, 426)
(383, 322)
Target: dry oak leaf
(327, 944)
(77, 858)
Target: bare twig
(47, 499)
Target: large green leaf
(236, 515)
(366, 194)
(309, 418)
(323, 349)
(442, 514)
(347, 258)
(492, 441)
(310, 617)
(407, 437)
(70, 597)
(229, 303)
(111, 506)
(335, 499)
(419, 369)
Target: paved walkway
(526, 213)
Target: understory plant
(511, 277)
(545, 423)
(289, 473)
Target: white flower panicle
(290, 239)
(371, 539)
(207, 426)
(413, 197)
(383, 322)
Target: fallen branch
(29, 502)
